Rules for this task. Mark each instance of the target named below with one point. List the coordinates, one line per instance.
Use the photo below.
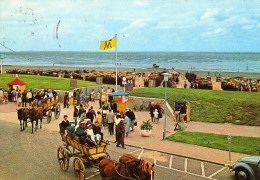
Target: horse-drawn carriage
(128, 167)
(38, 112)
(47, 108)
(84, 156)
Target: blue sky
(147, 25)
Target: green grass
(212, 106)
(245, 145)
(35, 81)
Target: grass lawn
(35, 81)
(245, 145)
(212, 106)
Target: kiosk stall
(121, 99)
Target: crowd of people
(27, 97)
(88, 124)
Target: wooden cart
(83, 155)
(49, 107)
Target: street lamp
(165, 79)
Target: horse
(146, 167)
(128, 167)
(35, 115)
(22, 114)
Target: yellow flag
(108, 44)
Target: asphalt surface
(26, 156)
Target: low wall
(85, 90)
(143, 104)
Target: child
(156, 116)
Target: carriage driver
(64, 124)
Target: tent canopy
(118, 93)
(16, 82)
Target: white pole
(116, 61)
(1, 66)
(165, 98)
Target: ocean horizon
(199, 61)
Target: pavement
(155, 142)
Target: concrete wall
(142, 104)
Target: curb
(221, 164)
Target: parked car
(247, 168)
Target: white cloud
(176, 21)
(135, 25)
(247, 27)
(209, 14)
(139, 3)
(215, 32)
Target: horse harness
(35, 115)
(132, 178)
(23, 115)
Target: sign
(73, 83)
(229, 138)
(124, 80)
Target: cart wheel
(79, 169)
(57, 111)
(49, 114)
(63, 158)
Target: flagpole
(116, 61)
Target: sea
(199, 61)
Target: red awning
(16, 82)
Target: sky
(140, 25)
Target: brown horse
(128, 167)
(147, 169)
(35, 115)
(22, 114)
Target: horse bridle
(137, 177)
(143, 175)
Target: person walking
(29, 97)
(66, 100)
(19, 98)
(127, 125)
(90, 115)
(92, 95)
(110, 120)
(1, 95)
(5, 97)
(78, 96)
(99, 117)
(24, 98)
(117, 121)
(81, 110)
(121, 134)
(13, 93)
(75, 114)
(152, 107)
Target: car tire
(242, 174)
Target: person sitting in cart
(80, 132)
(97, 130)
(90, 133)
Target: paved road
(25, 156)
